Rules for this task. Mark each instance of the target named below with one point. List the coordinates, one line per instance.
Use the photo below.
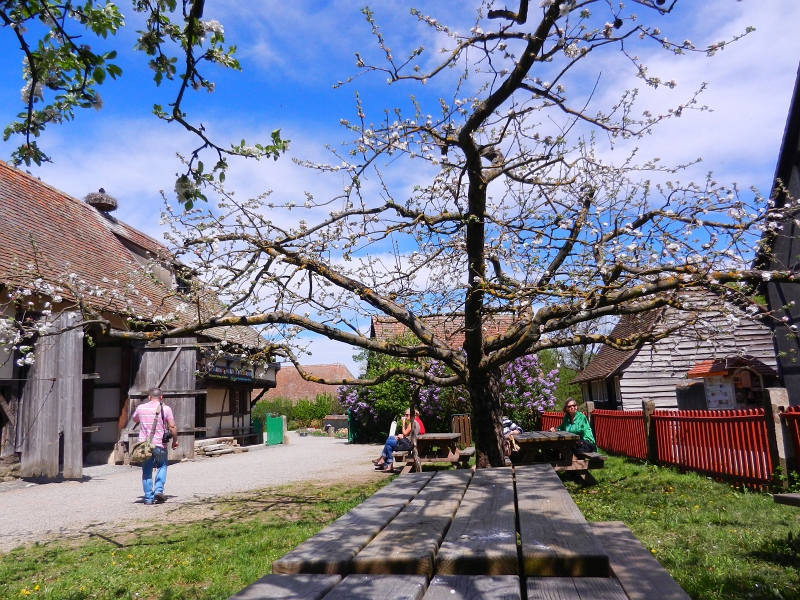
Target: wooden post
(648, 407)
(588, 408)
(777, 399)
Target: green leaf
(99, 75)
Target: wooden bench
(582, 464)
(483, 537)
(556, 539)
(788, 499)
(240, 433)
(639, 573)
(406, 458)
(408, 544)
(331, 551)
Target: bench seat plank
(556, 539)
(789, 499)
(639, 573)
(483, 538)
(332, 549)
(574, 588)
(408, 544)
(477, 587)
(380, 587)
(290, 587)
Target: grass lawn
(214, 552)
(718, 541)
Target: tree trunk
(487, 422)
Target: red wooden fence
(620, 431)
(551, 419)
(729, 443)
(791, 417)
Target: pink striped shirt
(145, 413)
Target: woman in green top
(576, 422)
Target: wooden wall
(171, 366)
(656, 370)
(51, 403)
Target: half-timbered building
(67, 394)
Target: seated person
(398, 443)
(576, 422)
(510, 428)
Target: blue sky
(293, 53)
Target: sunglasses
(572, 406)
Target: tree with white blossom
(517, 211)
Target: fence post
(648, 407)
(588, 408)
(777, 399)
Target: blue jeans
(159, 460)
(388, 450)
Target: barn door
(171, 366)
(52, 403)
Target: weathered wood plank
(574, 588)
(332, 549)
(556, 539)
(40, 414)
(288, 587)
(379, 587)
(790, 499)
(639, 573)
(478, 587)
(70, 393)
(483, 538)
(409, 543)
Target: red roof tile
(49, 233)
(289, 384)
(446, 327)
(723, 367)
(608, 360)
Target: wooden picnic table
(436, 447)
(537, 446)
(507, 533)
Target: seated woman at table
(576, 422)
(400, 442)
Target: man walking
(154, 413)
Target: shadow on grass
(784, 552)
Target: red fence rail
(620, 431)
(791, 418)
(551, 419)
(730, 443)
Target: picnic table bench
(457, 534)
(556, 447)
(788, 499)
(435, 448)
(240, 433)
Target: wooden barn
(67, 393)
(784, 298)
(727, 361)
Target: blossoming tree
(513, 208)
(63, 72)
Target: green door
(274, 430)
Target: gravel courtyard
(112, 495)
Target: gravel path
(113, 494)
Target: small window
(599, 391)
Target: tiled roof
(608, 360)
(289, 384)
(724, 366)
(446, 327)
(47, 231)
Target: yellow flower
(130, 555)
(24, 592)
(652, 550)
(654, 512)
(36, 588)
(696, 506)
